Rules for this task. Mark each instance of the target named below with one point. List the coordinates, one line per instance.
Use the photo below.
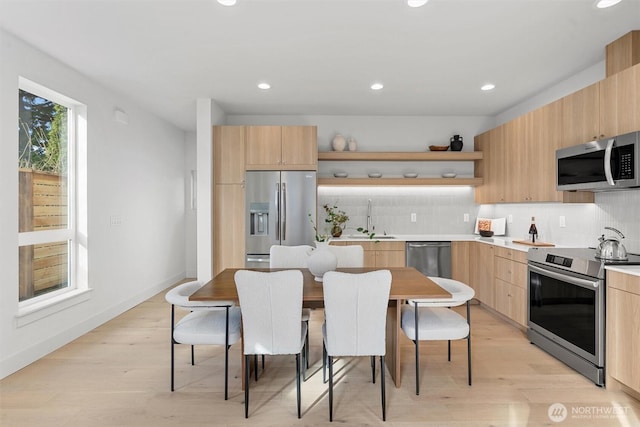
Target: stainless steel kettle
(611, 249)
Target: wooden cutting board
(527, 242)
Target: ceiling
(321, 56)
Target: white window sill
(34, 312)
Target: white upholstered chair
(355, 321)
(348, 256)
(293, 257)
(207, 323)
(271, 306)
(433, 320)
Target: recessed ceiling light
(377, 86)
(264, 86)
(227, 2)
(601, 4)
(488, 86)
(416, 3)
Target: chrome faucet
(369, 226)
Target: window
(47, 235)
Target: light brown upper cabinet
(281, 148)
(518, 162)
(608, 108)
(581, 116)
(543, 136)
(623, 52)
(619, 103)
(491, 168)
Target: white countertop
(506, 242)
(497, 241)
(626, 269)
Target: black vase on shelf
(456, 143)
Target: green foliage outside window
(42, 133)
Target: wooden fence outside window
(43, 206)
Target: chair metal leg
(449, 350)
(298, 381)
(330, 362)
(255, 362)
(172, 345)
(383, 391)
(306, 347)
(417, 343)
(373, 369)
(262, 365)
(469, 343)
(246, 386)
(226, 357)
(324, 364)
(192, 356)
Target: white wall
(208, 115)
(136, 171)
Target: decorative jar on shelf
(321, 260)
(339, 143)
(352, 144)
(456, 143)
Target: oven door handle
(594, 284)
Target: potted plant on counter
(337, 218)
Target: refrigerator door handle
(277, 202)
(284, 211)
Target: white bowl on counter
(375, 175)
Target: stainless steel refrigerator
(278, 204)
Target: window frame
(75, 133)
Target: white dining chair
(271, 308)
(434, 320)
(293, 257)
(208, 323)
(351, 256)
(355, 321)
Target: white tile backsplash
(440, 210)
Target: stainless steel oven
(566, 317)
(566, 306)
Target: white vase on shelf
(339, 143)
(352, 144)
(321, 260)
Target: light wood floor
(118, 375)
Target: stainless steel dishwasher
(430, 258)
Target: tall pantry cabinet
(228, 197)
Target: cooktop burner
(578, 260)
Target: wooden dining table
(406, 283)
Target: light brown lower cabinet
(460, 261)
(499, 277)
(481, 272)
(510, 267)
(623, 330)
(380, 254)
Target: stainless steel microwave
(607, 164)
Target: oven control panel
(559, 260)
